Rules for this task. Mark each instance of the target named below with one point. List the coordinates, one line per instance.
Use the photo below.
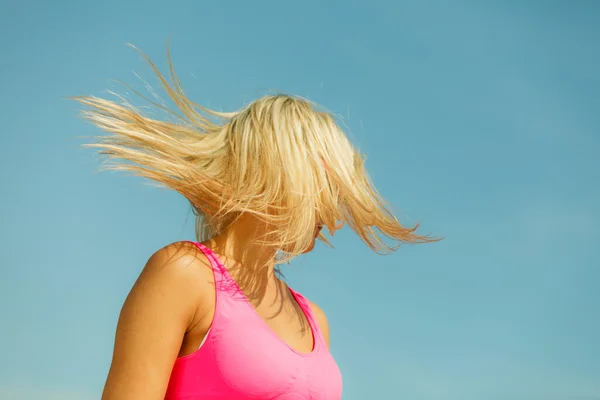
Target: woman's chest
(246, 361)
(255, 361)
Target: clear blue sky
(480, 119)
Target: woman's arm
(155, 317)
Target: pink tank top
(243, 358)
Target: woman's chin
(309, 249)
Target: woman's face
(318, 229)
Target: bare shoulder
(321, 320)
(179, 257)
(178, 270)
(179, 260)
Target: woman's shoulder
(178, 258)
(181, 256)
(179, 268)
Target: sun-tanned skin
(170, 309)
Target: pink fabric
(242, 358)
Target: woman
(213, 320)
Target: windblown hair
(280, 158)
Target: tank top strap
(224, 283)
(310, 316)
(212, 259)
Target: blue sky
(479, 119)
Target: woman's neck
(241, 243)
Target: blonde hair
(279, 158)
